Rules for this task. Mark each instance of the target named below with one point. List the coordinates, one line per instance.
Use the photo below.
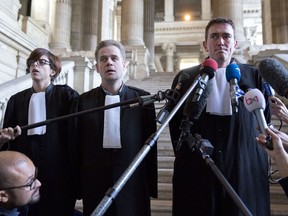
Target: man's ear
(3, 196)
(204, 45)
(96, 66)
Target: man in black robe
(102, 164)
(196, 189)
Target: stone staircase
(162, 206)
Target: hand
(279, 109)
(282, 136)
(9, 133)
(278, 154)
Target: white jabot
(111, 134)
(218, 102)
(37, 113)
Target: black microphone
(233, 75)
(275, 74)
(207, 71)
(192, 111)
(173, 97)
(254, 101)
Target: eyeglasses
(32, 184)
(40, 62)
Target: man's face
(25, 174)
(220, 43)
(110, 64)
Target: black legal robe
(101, 168)
(49, 152)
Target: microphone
(173, 97)
(192, 111)
(275, 74)
(207, 71)
(254, 101)
(233, 75)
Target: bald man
(9, 133)
(19, 185)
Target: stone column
(169, 50)
(106, 15)
(169, 11)
(90, 25)
(232, 9)
(149, 8)
(266, 22)
(40, 12)
(132, 21)
(60, 38)
(280, 14)
(206, 10)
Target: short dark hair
(106, 43)
(55, 62)
(219, 20)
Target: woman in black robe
(46, 146)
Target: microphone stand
(149, 143)
(204, 147)
(142, 101)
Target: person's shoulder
(21, 93)
(246, 66)
(65, 89)
(90, 92)
(138, 90)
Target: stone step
(166, 162)
(161, 207)
(165, 175)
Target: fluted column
(106, 19)
(60, 38)
(132, 36)
(132, 22)
(149, 8)
(280, 18)
(266, 22)
(169, 50)
(206, 10)
(90, 25)
(169, 11)
(232, 9)
(40, 12)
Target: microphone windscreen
(254, 99)
(194, 109)
(209, 67)
(233, 72)
(275, 74)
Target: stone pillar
(169, 50)
(206, 10)
(280, 16)
(266, 22)
(60, 38)
(40, 12)
(233, 10)
(106, 15)
(149, 8)
(90, 25)
(169, 11)
(132, 21)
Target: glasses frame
(31, 184)
(40, 62)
